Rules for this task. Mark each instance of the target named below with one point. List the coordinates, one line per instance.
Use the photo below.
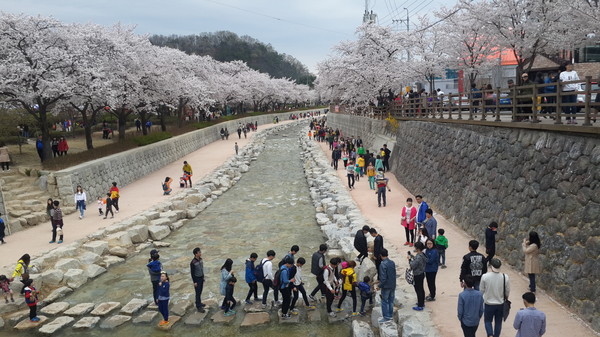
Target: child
(57, 222)
(31, 298)
(229, 300)
(101, 203)
(163, 297)
(441, 244)
(365, 294)
(5, 286)
(357, 171)
(423, 235)
(371, 175)
(299, 288)
(349, 282)
(109, 205)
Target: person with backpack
(264, 274)
(285, 284)
(316, 268)
(473, 264)
(348, 284)
(365, 294)
(330, 283)
(22, 270)
(251, 278)
(293, 251)
(299, 288)
(360, 243)
(154, 268)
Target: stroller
(183, 181)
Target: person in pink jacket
(408, 219)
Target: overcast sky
(305, 29)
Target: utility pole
(407, 22)
(369, 17)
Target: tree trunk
(43, 120)
(122, 118)
(143, 119)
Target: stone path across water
(560, 322)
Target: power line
(275, 18)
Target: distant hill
(226, 46)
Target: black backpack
(259, 272)
(277, 279)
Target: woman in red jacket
(63, 147)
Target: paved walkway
(136, 197)
(560, 322)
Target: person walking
(329, 284)
(386, 157)
(54, 146)
(336, 155)
(115, 196)
(63, 146)
(316, 268)
(236, 147)
(490, 240)
(387, 284)
(4, 157)
(382, 186)
(495, 287)
(418, 263)
(530, 322)
(377, 248)
(350, 174)
(80, 200)
(531, 248)
(360, 243)
(229, 300)
(431, 268)
(197, 273)
(470, 308)
(267, 269)
(251, 279)
(473, 264)
(285, 286)
(57, 223)
(371, 175)
(154, 268)
(299, 288)
(187, 172)
(226, 274)
(2, 229)
(109, 205)
(349, 281)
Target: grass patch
(151, 138)
(59, 163)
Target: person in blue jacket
(251, 278)
(421, 208)
(163, 297)
(286, 287)
(154, 269)
(39, 146)
(431, 268)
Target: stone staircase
(24, 200)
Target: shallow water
(269, 208)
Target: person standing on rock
(530, 322)
(115, 196)
(57, 223)
(163, 298)
(80, 200)
(2, 230)
(316, 268)
(360, 243)
(31, 299)
(299, 288)
(251, 279)
(418, 263)
(408, 217)
(473, 264)
(4, 157)
(154, 268)
(286, 285)
(349, 281)
(267, 269)
(226, 274)
(470, 308)
(495, 287)
(197, 272)
(387, 284)
(531, 248)
(377, 248)
(329, 284)
(490, 240)
(187, 172)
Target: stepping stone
(180, 307)
(17, 317)
(292, 319)
(134, 306)
(256, 318)
(55, 308)
(152, 306)
(218, 317)
(1, 323)
(388, 329)
(56, 325)
(172, 321)
(87, 322)
(314, 315)
(104, 309)
(26, 324)
(340, 317)
(146, 317)
(80, 309)
(58, 293)
(256, 307)
(196, 318)
(114, 321)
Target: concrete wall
(523, 179)
(126, 167)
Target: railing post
(513, 93)
(460, 106)
(442, 108)
(558, 103)
(534, 105)
(588, 100)
(450, 106)
(483, 104)
(471, 102)
(497, 104)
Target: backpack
(259, 273)
(277, 279)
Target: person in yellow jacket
(371, 175)
(348, 285)
(187, 173)
(22, 270)
(361, 164)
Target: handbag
(408, 275)
(506, 304)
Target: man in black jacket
(473, 264)
(335, 156)
(377, 248)
(360, 243)
(490, 241)
(316, 268)
(197, 272)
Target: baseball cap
(153, 252)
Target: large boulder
(95, 270)
(118, 251)
(88, 258)
(159, 232)
(96, 247)
(138, 234)
(75, 278)
(66, 264)
(361, 329)
(52, 277)
(119, 239)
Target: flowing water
(269, 208)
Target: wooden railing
(547, 104)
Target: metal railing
(543, 104)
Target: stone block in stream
(146, 317)
(58, 293)
(86, 323)
(340, 316)
(80, 309)
(159, 232)
(180, 307)
(314, 315)
(219, 317)
(256, 318)
(94, 270)
(105, 308)
(114, 321)
(256, 307)
(55, 308)
(96, 247)
(26, 324)
(389, 329)
(291, 319)
(172, 320)
(55, 325)
(196, 318)
(134, 306)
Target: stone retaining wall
(523, 179)
(126, 167)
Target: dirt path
(560, 322)
(136, 197)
